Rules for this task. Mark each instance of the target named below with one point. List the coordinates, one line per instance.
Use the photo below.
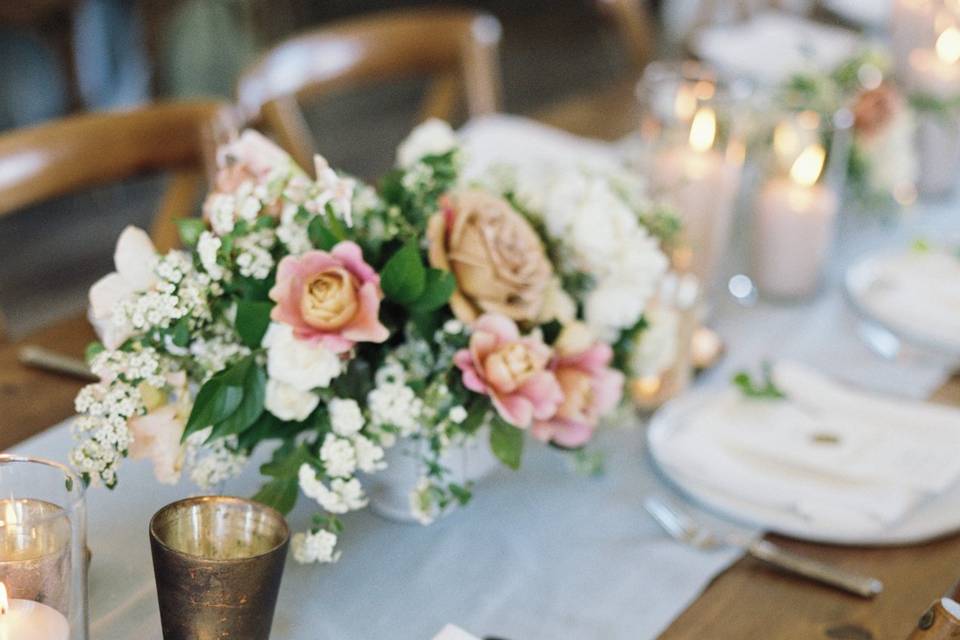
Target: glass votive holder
(218, 562)
(660, 363)
(43, 562)
(796, 202)
(692, 154)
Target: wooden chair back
(635, 27)
(457, 48)
(79, 152)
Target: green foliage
(92, 350)
(320, 234)
(404, 278)
(764, 389)
(624, 345)
(253, 318)
(281, 492)
(438, 288)
(231, 401)
(506, 442)
(551, 331)
(190, 230)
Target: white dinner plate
(932, 519)
(873, 277)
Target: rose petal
(515, 409)
(544, 393)
(133, 258)
(365, 325)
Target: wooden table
(747, 602)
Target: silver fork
(682, 527)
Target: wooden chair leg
(179, 201)
(441, 99)
(284, 119)
(481, 70)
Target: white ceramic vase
(389, 490)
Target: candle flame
(785, 140)
(703, 130)
(948, 45)
(648, 385)
(808, 165)
(4, 603)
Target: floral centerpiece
(333, 320)
(882, 168)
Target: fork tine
(670, 520)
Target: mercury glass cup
(43, 557)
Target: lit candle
(936, 73)
(700, 183)
(35, 551)
(29, 620)
(794, 227)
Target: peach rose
(156, 435)
(497, 257)
(332, 298)
(875, 109)
(591, 388)
(511, 369)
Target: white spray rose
(299, 363)
(289, 403)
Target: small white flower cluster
(213, 462)
(395, 405)
(212, 350)
(314, 546)
(254, 259)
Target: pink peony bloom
(329, 298)
(591, 388)
(511, 369)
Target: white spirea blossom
(313, 547)
(208, 246)
(457, 414)
(287, 402)
(395, 405)
(221, 208)
(299, 363)
(433, 137)
(216, 462)
(342, 495)
(338, 456)
(255, 262)
(345, 417)
(369, 455)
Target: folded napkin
(851, 459)
(773, 45)
(917, 292)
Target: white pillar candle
(936, 73)
(26, 619)
(793, 228)
(701, 184)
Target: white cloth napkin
(913, 291)
(824, 452)
(773, 45)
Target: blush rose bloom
(329, 298)
(591, 388)
(157, 434)
(497, 257)
(511, 370)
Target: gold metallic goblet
(218, 562)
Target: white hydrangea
(339, 456)
(287, 402)
(313, 547)
(342, 495)
(345, 417)
(208, 246)
(396, 405)
(369, 455)
(299, 363)
(433, 137)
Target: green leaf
(404, 277)
(190, 230)
(180, 335)
(253, 318)
(765, 389)
(356, 382)
(439, 286)
(251, 404)
(215, 401)
(506, 442)
(280, 494)
(551, 331)
(462, 494)
(320, 235)
(92, 350)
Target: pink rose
(511, 369)
(331, 298)
(252, 157)
(590, 388)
